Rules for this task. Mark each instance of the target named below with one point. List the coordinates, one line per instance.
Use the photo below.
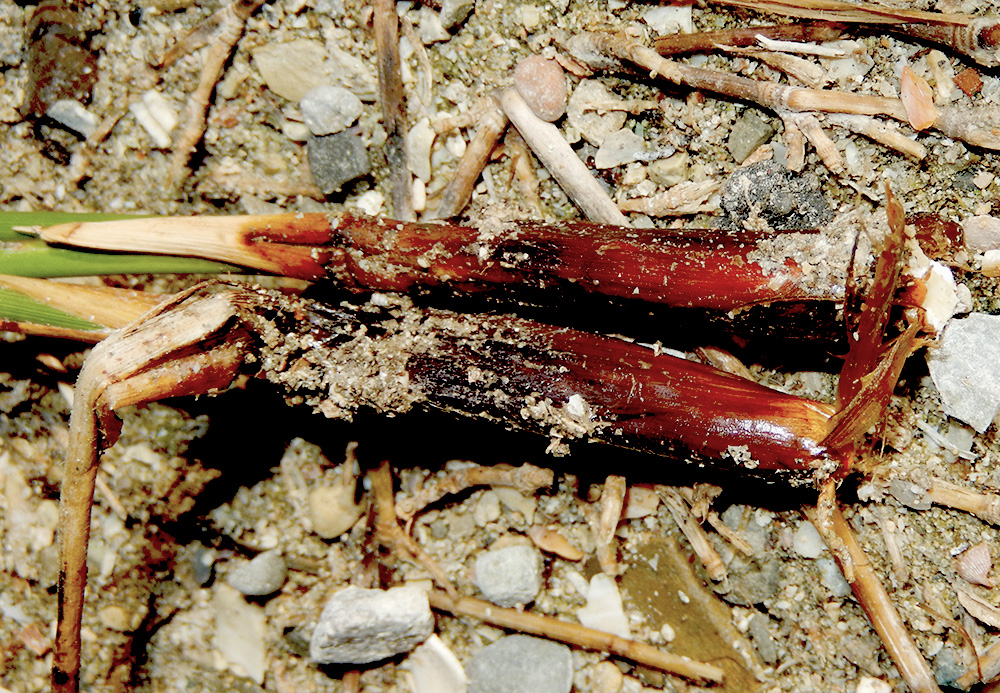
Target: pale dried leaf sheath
(125, 369)
(698, 268)
(113, 308)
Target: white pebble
(418, 149)
(807, 542)
(358, 626)
(604, 609)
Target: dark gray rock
(521, 664)
(778, 196)
(337, 159)
(358, 626)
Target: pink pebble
(542, 85)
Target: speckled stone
(358, 626)
(329, 109)
(510, 576)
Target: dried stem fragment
(985, 506)
(458, 191)
(976, 37)
(883, 133)
(694, 532)
(562, 162)
(390, 85)
(527, 479)
(390, 535)
(730, 535)
(224, 28)
(524, 170)
(604, 50)
(575, 634)
(681, 199)
(872, 597)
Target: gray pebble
(750, 131)
(762, 640)
(358, 626)
(832, 577)
(753, 580)
(963, 369)
(750, 530)
(948, 668)
(510, 576)
(782, 198)
(265, 574)
(521, 664)
(454, 12)
(910, 494)
(982, 233)
(337, 159)
(329, 109)
(202, 564)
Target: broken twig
(575, 634)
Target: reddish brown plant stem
(562, 383)
(679, 44)
(697, 268)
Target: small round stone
(264, 575)
(542, 85)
